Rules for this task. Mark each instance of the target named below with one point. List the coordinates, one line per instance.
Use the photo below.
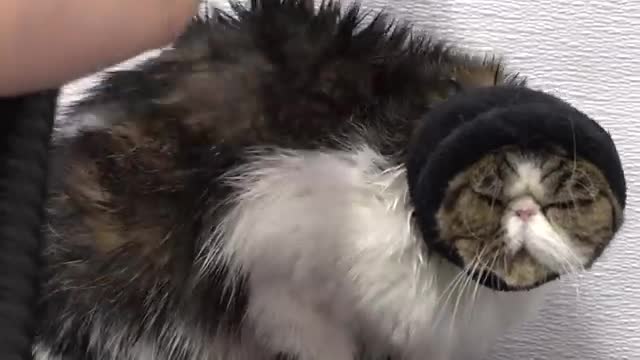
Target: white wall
(588, 52)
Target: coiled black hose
(26, 124)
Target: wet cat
(248, 194)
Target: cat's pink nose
(526, 213)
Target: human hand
(47, 43)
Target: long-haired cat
(277, 185)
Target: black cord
(25, 130)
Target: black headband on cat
(469, 125)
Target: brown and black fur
(126, 208)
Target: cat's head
(528, 216)
(516, 192)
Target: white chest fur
(335, 263)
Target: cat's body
(246, 197)
(336, 265)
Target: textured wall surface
(588, 52)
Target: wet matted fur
(245, 195)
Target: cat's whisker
(469, 230)
(577, 286)
(477, 261)
(565, 263)
(564, 253)
(573, 262)
(490, 266)
(460, 278)
(484, 265)
(453, 283)
(470, 301)
(587, 188)
(574, 165)
(574, 201)
(477, 286)
(504, 260)
(475, 290)
(478, 258)
(579, 267)
(493, 199)
(440, 304)
(574, 281)
(575, 146)
(461, 291)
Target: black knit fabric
(468, 126)
(25, 128)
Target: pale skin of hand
(47, 43)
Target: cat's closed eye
(487, 181)
(572, 185)
(492, 200)
(572, 204)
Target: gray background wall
(588, 52)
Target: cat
(246, 195)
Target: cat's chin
(490, 279)
(495, 282)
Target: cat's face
(528, 216)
